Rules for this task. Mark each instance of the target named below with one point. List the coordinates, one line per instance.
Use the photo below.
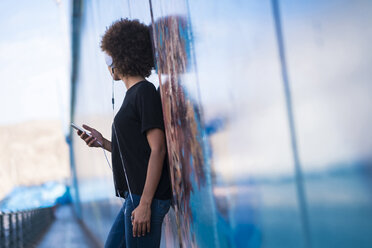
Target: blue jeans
(121, 233)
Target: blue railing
(24, 228)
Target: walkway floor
(65, 232)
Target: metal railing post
(27, 227)
(23, 217)
(10, 228)
(17, 230)
(2, 234)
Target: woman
(137, 146)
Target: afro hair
(128, 42)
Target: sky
(34, 61)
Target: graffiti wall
(267, 110)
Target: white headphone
(109, 61)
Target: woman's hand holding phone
(95, 139)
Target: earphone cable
(121, 156)
(117, 141)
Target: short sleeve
(149, 108)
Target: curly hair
(128, 42)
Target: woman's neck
(129, 81)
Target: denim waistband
(126, 194)
(138, 197)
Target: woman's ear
(112, 72)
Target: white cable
(117, 141)
(122, 162)
(104, 152)
(121, 156)
(108, 162)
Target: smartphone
(80, 128)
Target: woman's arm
(107, 144)
(142, 214)
(156, 141)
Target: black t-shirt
(141, 110)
